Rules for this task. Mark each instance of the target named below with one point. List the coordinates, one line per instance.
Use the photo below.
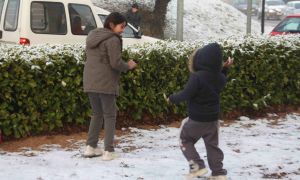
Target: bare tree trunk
(153, 23)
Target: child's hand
(131, 64)
(228, 63)
(166, 98)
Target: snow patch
(253, 149)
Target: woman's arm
(115, 55)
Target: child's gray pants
(191, 132)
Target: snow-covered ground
(203, 19)
(123, 5)
(211, 19)
(254, 149)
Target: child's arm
(188, 92)
(225, 71)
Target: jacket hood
(99, 35)
(208, 58)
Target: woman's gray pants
(104, 110)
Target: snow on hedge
(178, 47)
(44, 51)
(28, 53)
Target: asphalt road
(272, 23)
(269, 24)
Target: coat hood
(208, 58)
(99, 35)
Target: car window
(290, 24)
(82, 19)
(11, 15)
(293, 26)
(244, 2)
(128, 32)
(102, 18)
(297, 5)
(48, 18)
(274, 3)
(1, 8)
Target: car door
(1, 9)
(296, 7)
(9, 25)
(48, 23)
(60, 22)
(82, 21)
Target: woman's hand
(131, 64)
(228, 63)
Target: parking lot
(269, 24)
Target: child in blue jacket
(202, 93)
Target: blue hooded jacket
(202, 91)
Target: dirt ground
(65, 141)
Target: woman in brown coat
(101, 76)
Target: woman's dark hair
(135, 5)
(115, 18)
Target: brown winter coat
(103, 64)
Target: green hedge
(266, 72)
(41, 86)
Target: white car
(30, 22)
(292, 7)
(273, 9)
(131, 35)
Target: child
(101, 82)
(202, 93)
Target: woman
(101, 77)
